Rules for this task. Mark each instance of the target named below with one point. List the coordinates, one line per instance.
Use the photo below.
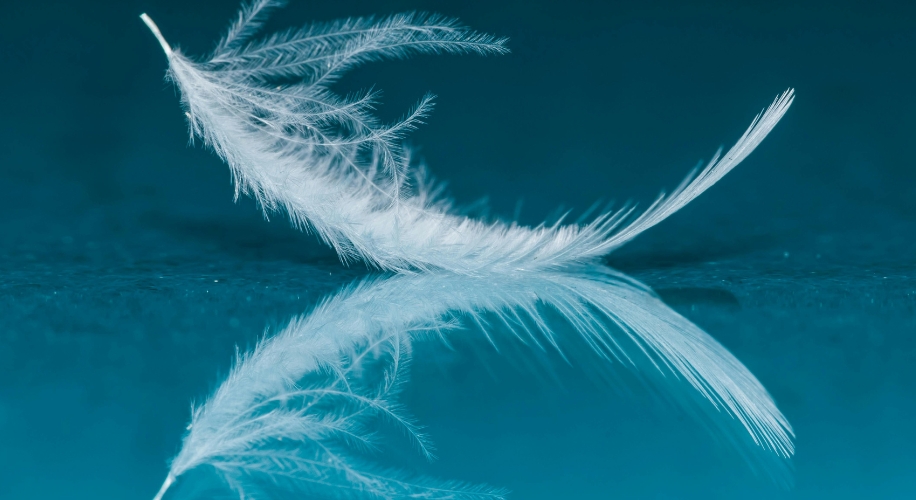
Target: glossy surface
(127, 275)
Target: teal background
(128, 275)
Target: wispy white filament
(326, 161)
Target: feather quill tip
(158, 34)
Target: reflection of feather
(272, 421)
(295, 413)
(327, 161)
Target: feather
(292, 411)
(326, 161)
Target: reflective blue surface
(128, 276)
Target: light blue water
(127, 276)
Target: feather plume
(291, 412)
(265, 108)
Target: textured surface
(127, 274)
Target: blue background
(128, 275)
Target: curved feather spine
(335, 169)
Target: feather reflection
(299, 413)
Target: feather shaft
(329, 164)
(158, 34)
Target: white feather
(328, 162)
